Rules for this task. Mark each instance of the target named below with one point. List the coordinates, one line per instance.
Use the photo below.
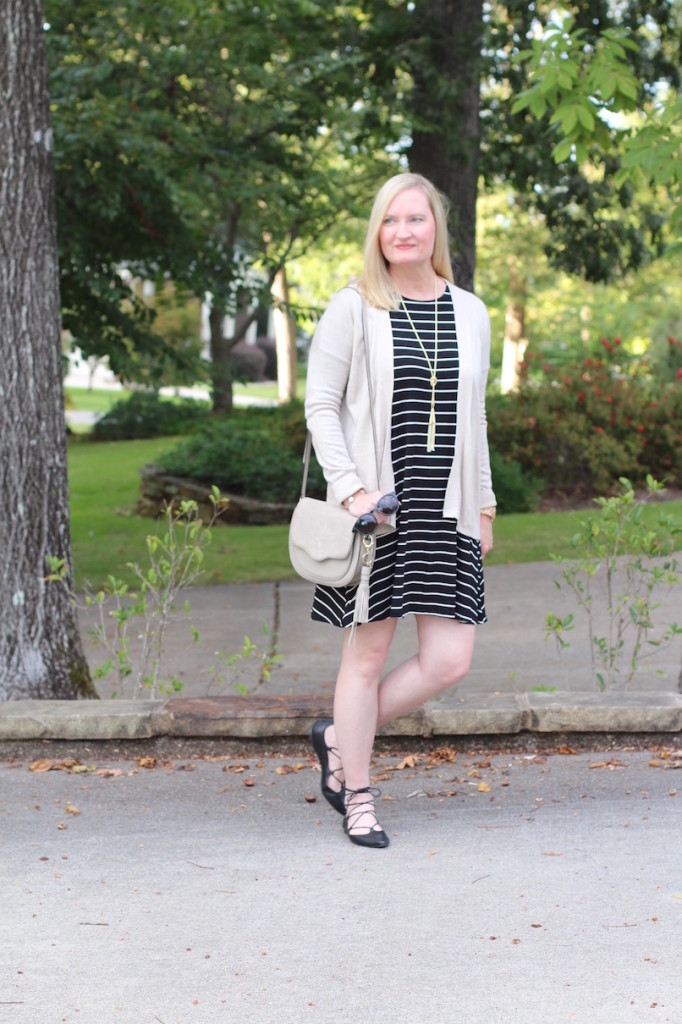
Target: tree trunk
(41, 653)
(221, 379)
(285, 338)
(445, 106)
(515, 341)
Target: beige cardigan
(337, 404)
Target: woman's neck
(416, 283)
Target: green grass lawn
(100, 400)
(107, 533)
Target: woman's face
(408, 233)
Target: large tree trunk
(445, 106)
(41, 653)
(285, 338)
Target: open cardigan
(337, 404)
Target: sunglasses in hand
(367, 523)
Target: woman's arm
(329, 364)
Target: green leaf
(562, 151)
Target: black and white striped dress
(425, 567)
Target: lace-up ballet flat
(372, 835)
(333, 796)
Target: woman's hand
(486, 535)
(366, 503)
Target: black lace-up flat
(374, 837)
(333, 796)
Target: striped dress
(425, 567)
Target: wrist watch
(490, 512)
(349, 501)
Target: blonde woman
(429, 351)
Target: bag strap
(309, 439)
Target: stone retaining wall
(157, 490)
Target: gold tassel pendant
(431, 432)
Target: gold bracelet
(490, 512)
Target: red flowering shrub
(581, 429)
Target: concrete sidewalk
(517, 681)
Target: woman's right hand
(366, 503)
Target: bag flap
(322, 530)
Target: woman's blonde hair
(376, 283)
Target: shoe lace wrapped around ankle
(333, 773)
(355, 811)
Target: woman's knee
(365, 655)
(446, 653)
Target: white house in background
(93, 372)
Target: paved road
(518, 888)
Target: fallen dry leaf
(109, 773)
(288, 769)
(442, 755)
(310, 798)
(611, 764)
(411, 761)
(146, 762)
(483, 787)
(249, 782)
(50, 764)
(567, 750)
(70, 809)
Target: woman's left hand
(486, 535)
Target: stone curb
(264, 717)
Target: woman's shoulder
(467, 300)
(347, 300)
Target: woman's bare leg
(446, 648)
(362, 704)
(356, 697)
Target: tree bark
(515, 341)
(221, 380)
(41, 652)
(445, 105)
(285, 338)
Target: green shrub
(582, 429)
(515, 490)
(253, 452)
(146, 414)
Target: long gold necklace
(433, 379)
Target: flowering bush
(581, 429)
(668, 366)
